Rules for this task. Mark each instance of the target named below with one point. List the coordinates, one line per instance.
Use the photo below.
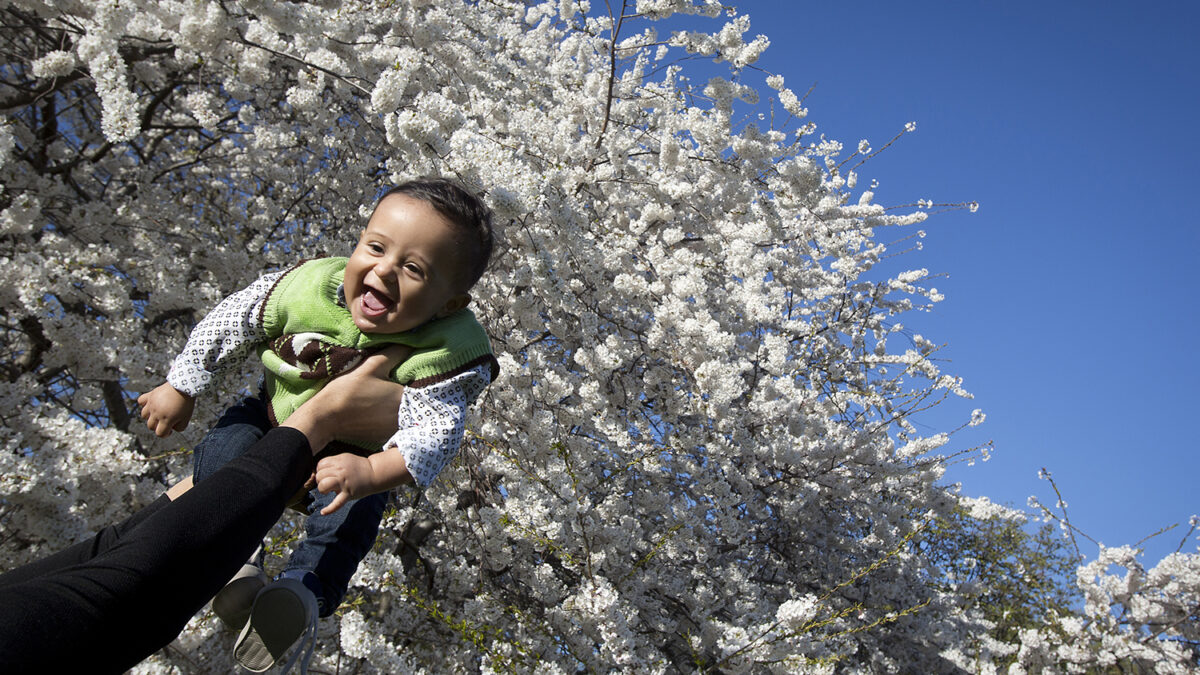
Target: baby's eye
(414, 269)
(375, 247)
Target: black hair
(464, 209)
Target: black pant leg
(110, 611)
(82, 551)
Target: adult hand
(361, 404)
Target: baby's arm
(354, 477)
(224, 336)
(418, 451)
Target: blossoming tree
(700, 454)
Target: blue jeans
(335, 544)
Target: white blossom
(54, 64)
(205, 107)
(7, 142)
(798, 611)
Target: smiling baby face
(405, 269)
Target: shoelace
(307, 643)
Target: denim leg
(240, 427)
(335, 544)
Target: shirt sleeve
(225, 336)
(432, 420)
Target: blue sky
(1073, 294)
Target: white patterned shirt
(431, 420)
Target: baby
(426, 244)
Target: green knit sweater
(312, 338)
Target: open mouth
(374, 303)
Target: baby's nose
(385, 271)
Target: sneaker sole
(279, 618)
(233, 604)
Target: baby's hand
(350, 475)
(166, 409)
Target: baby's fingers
(161, 427)
(338, 500)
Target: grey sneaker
(232, 604)
(283, 612)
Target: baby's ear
(454, 304)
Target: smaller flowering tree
(1132, 618)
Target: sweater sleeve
(432, 420)
(225, 336)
